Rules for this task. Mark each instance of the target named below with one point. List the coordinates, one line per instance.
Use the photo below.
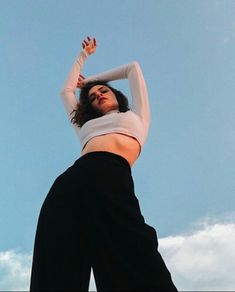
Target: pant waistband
(104, 154)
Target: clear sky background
(185, 176)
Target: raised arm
(68, 92)
(132, 72)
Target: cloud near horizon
(14, 270)
(202, 260)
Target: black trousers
(91, 218)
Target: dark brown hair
(85, 112)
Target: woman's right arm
(68, 93)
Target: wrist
(85, 53)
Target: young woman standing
(91, 216)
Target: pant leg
(99, 225)
(61, 259)
(124, 247)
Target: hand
(89, 45)
(80, 82)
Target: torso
(123, 145)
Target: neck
(112, 111)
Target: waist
(122, 124)
(103, 176)
(122, 145)
(104, 157)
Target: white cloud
(14, 271)
(203, 260)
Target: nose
(99, 96)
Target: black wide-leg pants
(91, 218)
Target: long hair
(84, 110)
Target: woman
(91, 216)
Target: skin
(102, 99)
(90, 47)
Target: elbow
(64, 92)
(135, 64)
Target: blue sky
(186, 48)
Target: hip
(95, 179)
(97, 172)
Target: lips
(102, 99)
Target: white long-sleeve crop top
(135, 122)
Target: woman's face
(102, 99)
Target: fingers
(84, 44)
(81, 76)
(89, 42)
(80, 82)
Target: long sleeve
(132, 72)
(68, 93)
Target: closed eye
(104, 90)
(92, 97)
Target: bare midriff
(123, 145)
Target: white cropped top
(134, 123)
